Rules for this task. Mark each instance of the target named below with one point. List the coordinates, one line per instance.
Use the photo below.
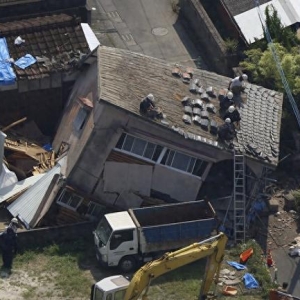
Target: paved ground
(150, 27)
(288, 270)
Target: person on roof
(236, 84)
(147, 107)
(226, 101)
(147, 103)
(226, 132)
(233, 114)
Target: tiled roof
(58, 40)
(127, 77)
(237, 7)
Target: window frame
(188, 165)
(66, 205)
(122, 241)
(132, 146)
(165, 151)
(83, 122)
(95, 204)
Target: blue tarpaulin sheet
(250, 281)
(25, 61)
(7, 75)
(236, 265)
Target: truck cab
(110, 288)
(116, 241)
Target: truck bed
(173, 226)
(172, 213)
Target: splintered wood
(22, 150)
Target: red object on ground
(269, 259)
(244, 256)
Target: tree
(262, 67)
(280, 34)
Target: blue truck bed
(173, 226)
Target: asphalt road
(288, 270)
(150, 27)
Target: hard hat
(14, 220)
(150, 97)
(231, 109)
(227, 120)
(229, 95)
(245, 77)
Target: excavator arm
(212, 248)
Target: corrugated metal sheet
(10, 191)
(28, 203)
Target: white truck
(129, 238)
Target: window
(171, 158)
(95, 209)
(69, 199)
(119, 295)
(120, 237)
(103, 231)
(80, 119)
(184, 162)
(98, 294)
(109, 297)
(139, 147)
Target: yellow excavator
(119, 288)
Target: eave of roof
(236, 7)
(127, 77)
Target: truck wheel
(127, 264)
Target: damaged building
(120, 158)
(42, 58)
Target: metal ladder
(239, 198)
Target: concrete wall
(87, 174)
(179, 186)
(86, 87)
(43, 236)
(205, 31)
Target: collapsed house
(117, 157)
(41, 58)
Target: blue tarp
(250, 281)
(236, 265)
(25, 61)
(7, 75)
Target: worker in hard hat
(236, 84)
(147, 107)
(226, 101)
(14, 224)
(226, 132)
(8, 247)
(233, 114)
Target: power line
(278, 64)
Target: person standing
(14, 224)
(236, 84)
(9, 247)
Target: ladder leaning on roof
(239, 197)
